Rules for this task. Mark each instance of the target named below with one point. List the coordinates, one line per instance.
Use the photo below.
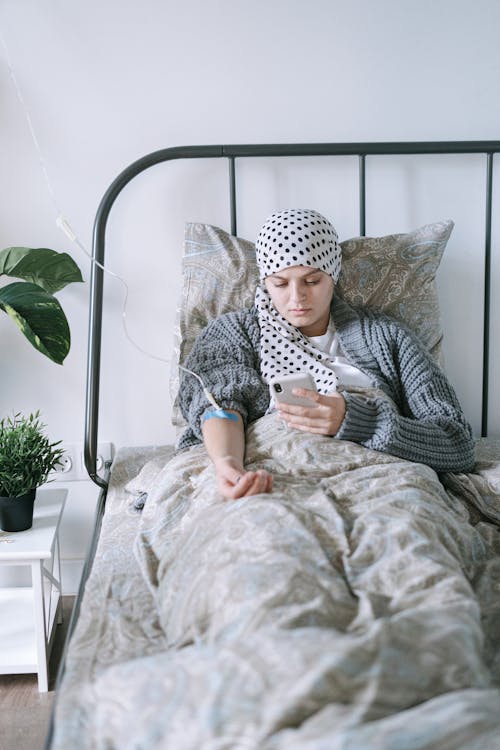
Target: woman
(298, 324)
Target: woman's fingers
(324, 418)
(245, 484)
(236, 485)
(261, 482)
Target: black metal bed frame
(231, 153)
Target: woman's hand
(234, 481)
(323, 417)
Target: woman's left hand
(324, 416)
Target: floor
(24, 712)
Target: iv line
(63, 224)
(61, 221)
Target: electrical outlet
(72, 465)
(65, 465)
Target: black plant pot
(16, 513)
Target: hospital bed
(370, 617)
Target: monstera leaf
(31, 304)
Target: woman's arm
(424, 421)
(225, 443)
(225, 357)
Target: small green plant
(31, 303)
(26, 455)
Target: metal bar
(362, 195)
(97, 282)
(94, 362)
(487, 294)
(232, 195)
(355, 149)
(101, 504)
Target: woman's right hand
(234, 481)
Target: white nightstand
(28, 615)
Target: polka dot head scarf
(295, 237)
(298, 237)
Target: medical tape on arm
(219, 414)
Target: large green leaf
(39, 316)
(46, 268)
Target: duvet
(357, 606)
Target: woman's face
(302, 295)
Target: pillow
(396, 275)
(393, 274)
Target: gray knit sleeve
(226, 357)
(424, 421)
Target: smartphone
(281, 388)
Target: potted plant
(26, 459)
(31, 303)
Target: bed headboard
(232, 153)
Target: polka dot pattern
(295, 237)
(298, 237)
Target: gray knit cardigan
(424, 422)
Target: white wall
(109, 80)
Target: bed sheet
(357, 607)
(118, 619)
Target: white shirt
(346, 373)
